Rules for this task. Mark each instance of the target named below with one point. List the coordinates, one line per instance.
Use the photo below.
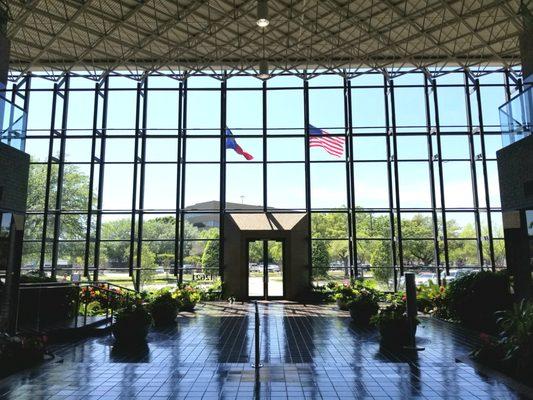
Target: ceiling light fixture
(262, 14)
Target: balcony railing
(516, 117)
(14, 123)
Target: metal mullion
(26, 107)
(91, 183)
(183, 161)
(14, 94)
(222, 210)
(348, 162)
(308, 179)
(177, 232)
(441, 177)
(98, 228)
(134, 183)
(473, 173)
(396, 177)
(138, 264)
(485, 175)
(60, 176)
(265, 170)
(48, 177)
(432, 181)
(389, 181)
(352, 179)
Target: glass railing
(14, 122)
(516, 117)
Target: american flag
(334, 145)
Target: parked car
(273, 268)
(457, 273)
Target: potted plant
(364, 305)
(186, 297)
(131, 325)
(163, 307)
(343, 296)
(393, 323)
(20, 351)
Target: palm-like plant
(517, 334)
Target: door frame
(265, 296)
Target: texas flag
(231, 143)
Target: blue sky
(284, 110)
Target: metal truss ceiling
(100, 36)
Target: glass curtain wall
(130, 178)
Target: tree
(381, 261)
(320, 257)
(255, 252)
(148, 266)
(275, 252)
(210, 257)
(116, 251)
(414, 248)
(75, 198)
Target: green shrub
(474, 299)
(363, 305)
(163, 307)
(431, 299)
(131, 325)
(94, 308)
(213, 292)
(34, 277)
(186, 297)
(516, 337)
(393, 323)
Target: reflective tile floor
(308, 352)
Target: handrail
(110, 284)
(101, 286)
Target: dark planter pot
(187, 307)
(361, 315)
(129, 334)
(24, 359)
(164, 316)
(395, 333)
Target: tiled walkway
(310, 352)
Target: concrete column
(4, 47)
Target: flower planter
(164, 316)
(164, 309)
(127, 334)
(395, 332)
(131, 326)
(361, 314)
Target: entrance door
(265, 269)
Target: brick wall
(515, 170)
(14, 170)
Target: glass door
(265, 269)
(256, 269)
(275, 268)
